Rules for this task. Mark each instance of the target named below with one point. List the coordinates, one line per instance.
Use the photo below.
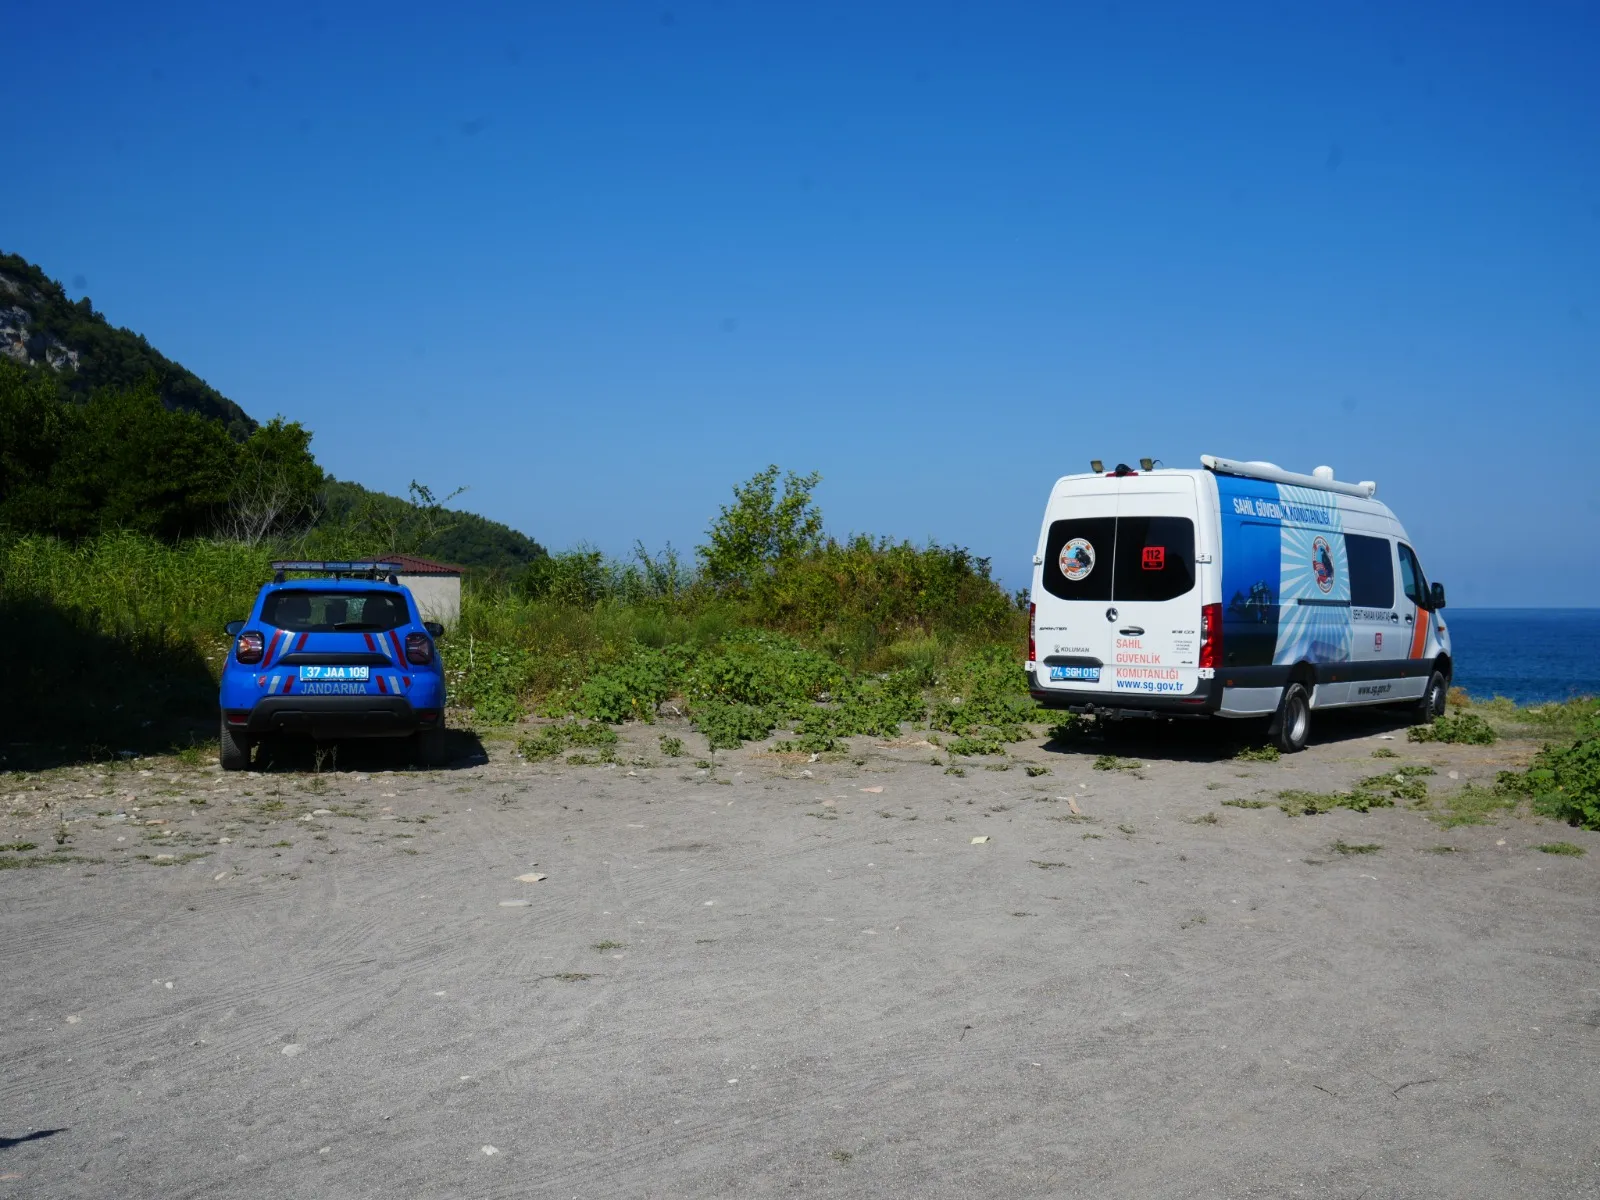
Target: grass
(1462, 728)
(1375, 791)
(1268, 753)
(1563, 782)
(1297, 802)
(555, 740)
(1470, 806)
(9, 863)
(1384, 752)
(1344, 847)
(1566, 848)
(609, 945)
(1247, 804)
(1110, 762)
(118, 641)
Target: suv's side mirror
(1436, 601)
(234, 628)
(433, 627)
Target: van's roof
(1341, 499)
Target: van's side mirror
(234, 628)
(433, 627)
(1436, 601)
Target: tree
(276, 486)
(128, 462)
(32, 430)
(760, 527)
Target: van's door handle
(1131, 631)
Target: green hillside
(378, 523)
(82, 351)
(101, 433)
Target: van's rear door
(1155, 588)
(1071, 634)
(1118, 606)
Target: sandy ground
(755, 981)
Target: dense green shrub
(1464, 728)
(727, 726)
(1563, 781)
(554, 740)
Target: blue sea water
(1530, 655)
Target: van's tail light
(1211, 635)
(1033, 611)
(249, 647)
(419, 649)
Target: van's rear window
(334, 611)
(1155, 558)
(1126, 558)
(1077, 558)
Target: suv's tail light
(1033, 611)
(249, 647)
(1211, 635)
(419, 649)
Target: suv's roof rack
(1322, 479)
(369, 568)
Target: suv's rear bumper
(1203, 702)
(335, 716)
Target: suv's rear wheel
(1291, 728)
(233, 750)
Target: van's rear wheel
(1291, 728)
(1431, 707)
(233, 751)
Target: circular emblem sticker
(1322, 564)
(1077, 559)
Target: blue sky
(599, 261)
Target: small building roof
(411, 564)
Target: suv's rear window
(1119, 558)
(334, 612)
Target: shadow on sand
(298, 755)
(1215, 739)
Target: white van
(1239, 590)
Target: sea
(1530, 655)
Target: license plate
(1081, 674)
(333, 674)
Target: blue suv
(341, 656)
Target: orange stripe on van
(1419, 635)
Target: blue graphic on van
(1285, 580)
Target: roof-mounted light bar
(1323, 480)
(373, 567)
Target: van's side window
(1077, 558)
(1155, 558)
(1412, 580)
(1371, 571)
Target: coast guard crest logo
(1322, 563)
(1076, 559)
